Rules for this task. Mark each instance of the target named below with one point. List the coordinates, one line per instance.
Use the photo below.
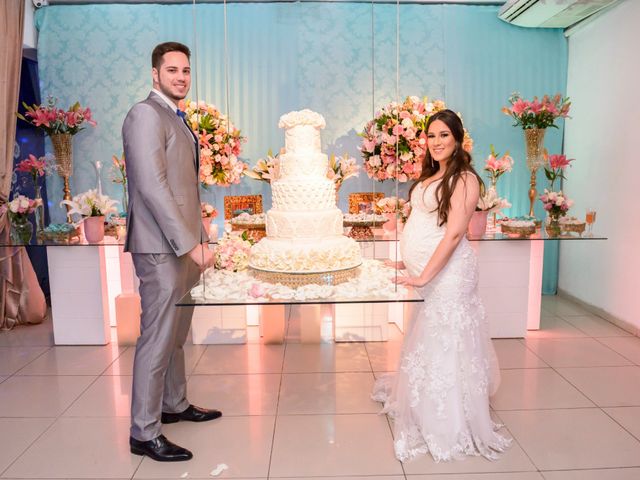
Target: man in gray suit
(168, 245)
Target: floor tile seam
(120, 353)
(600, 318)
(53, 422)
(29, 363)
(524, 342)
(586, 469)
(637, 437)
(597, 339)
(525, 368)
(195, 365)
(594, 407)
(276, 414)
(369, 358)
(79, 395)
(388, 419)
(517, 442)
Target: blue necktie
(181, 114)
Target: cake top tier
(302, 131)
(302, 117)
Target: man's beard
(171, 95)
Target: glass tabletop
(377, 237)
(372, 284)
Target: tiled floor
(570, 396)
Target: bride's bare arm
(463, 204)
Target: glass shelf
(376, 238)
(410, 295)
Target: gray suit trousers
(159, 380)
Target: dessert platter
(362, 223)
(572, 224)
(254, 225)
(304, 241)
(522, 228)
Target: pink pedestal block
(128, 318)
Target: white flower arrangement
(91, 204)
(491, 202)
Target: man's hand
(202, 256)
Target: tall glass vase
(39, 212)
(534, 146)
(63, 151)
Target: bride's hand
(395, 265)
(410, 281)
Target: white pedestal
(79, 296)
(506, 286)
(361, 322)
(219, 325)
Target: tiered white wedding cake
(304, 227)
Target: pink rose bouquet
(208, 210)
(232, 252)
(220, 144)
(55, 120)
(341, 169)
(20, 208)
(390, 205)
(537, 113)
(555, 203)
(557, 165)
(394, 142)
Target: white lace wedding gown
(439, 397)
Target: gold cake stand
(299, 279)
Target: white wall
(603, 136)
(30, 35)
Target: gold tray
(573, 227)
(295, 280)
(522, 231)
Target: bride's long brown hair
(459, 163)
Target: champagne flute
(590, 218)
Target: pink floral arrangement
(497, 165)
(19, 208)
(555, 203)
(119, 170)
(405, 212)
(537, 113)
(557, 165)
(232, 252)
(220, 144)
(341, 169)
(265, 169)
(208, 210)
(55, 120)
(394, 142)
(390, 205)
(36, 167)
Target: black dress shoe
(160, 449)
(191, 414)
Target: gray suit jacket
(164, 204)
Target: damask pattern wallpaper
(339, 59)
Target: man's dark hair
(161, 49)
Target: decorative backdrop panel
(336, 58)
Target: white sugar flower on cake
(302, 117)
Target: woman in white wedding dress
(439, 396)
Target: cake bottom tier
(325, 254)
